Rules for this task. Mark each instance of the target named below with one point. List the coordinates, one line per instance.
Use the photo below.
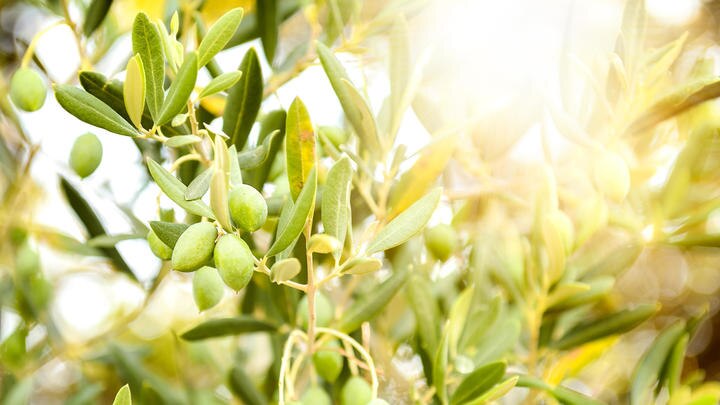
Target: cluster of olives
(27, 89)
(355, 391)
(217, 262)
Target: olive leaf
(243, 101)
(103, 241)
(353, 104)
(562, 394)
(227, 327)
(406, 225)
(478, 382)
(593, 329)
(89, 109)
(220, 184)
(370, 305)
(360, 265)
(218, 35)
(134, 90)
(234, 167)
(674, 365)
(255, 157)
(651, 364)
(427, 315)
(175, 190)
(496, 392)
(200, 185)
(284, 270)
(123, 396)
(268, 21)
(299, 146)
(242, 386)
(272, 124)
(299, 215)
(182, 140)
(168, 232)
(96, 13)
(180, 89)
(146, 42)
(221, 83)
(335, 205)
(439, 369)
(322, 243)
(458, 317)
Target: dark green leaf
(175, 190)
(243, 102)
(89, 109)
(96, 13)
(146, 41)
(242, 386)
(301, 212)
(478, 382)
(168, 232)
(650, 367)
(227, 327)
(268, 21)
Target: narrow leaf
(219, 185)
(96, 13)
(299, 146)
(360, 265)
(175, 190)
(168, 232)
(182, 140)
(199, 186)
(235, 168)
(406, 225)
(89, 109)
(123, 396)
(335, 209)
(102, 241)
(218, 35)
(221, 83)
(478, 382)
(299, 215)
(180, 89)
(242, 386)
(134, 90)
(284, 270)
(227, 327)
(650, 367)
(243, 102)
(253, 158)
(370, 305)
(268, 21)
(146, 41)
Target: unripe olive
(208, 288)
(356, 391)
(234, 261)
(248, 208)
(27, 262)
(336, 136)
(194, 247)
(442, 241)
(27, 90)
(158, 247)
(86, 154)
(316, 396)
(328, 362)
(324, 310)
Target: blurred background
(522, 77)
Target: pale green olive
(248, 208)
(194, 247)
(316, 396)
(86, 154)
(356, 391)
(234, 261)
(442, 241)
(27, 90)
(208, 287)
(158, 247)
(328, 362)
(324, 310)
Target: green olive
(158, 247)
(86, 154)
(316, 396)
(356, 391)
(442, 241)
(324, 310)
(27, 89)
(328, 362)
(208, 288)
(27, 262)
(248, 208)
(234, 261)
(336, 136)
(194, 247)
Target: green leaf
(269, 124)
(406, 225)
(353, 104)
(134, 90)
(96, 13)
(102, 241)
(218, 35)
(459, 316)
(424, 305)
(650, 367)
(496, 392)
(242, 386)
(221, 83)
(335, 205)
(180, 89)
(243, 101)
(674, 364)
(175, 190)
(420, 177)
(322, 243)
(199, 186)
(182, 140)
(370, 305)
(284, 270)
(618, 322)
(92, 224)
(89, 109)
(123, 396)
(299, 146)
(439, 369)
(564, 395)
(146, 41)
(478, 382)
(360, 265)
(255, 157)
(268, 21)
(228, 327)
(301, 211)
(220, 185)
(235, 168)
(168, 232)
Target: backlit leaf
(218, 35)
(134, 90)
(146, 41)
(221, 83)
(284, 270)
(175, 190)
(182, 140)
(299, 146)
(123, 396)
